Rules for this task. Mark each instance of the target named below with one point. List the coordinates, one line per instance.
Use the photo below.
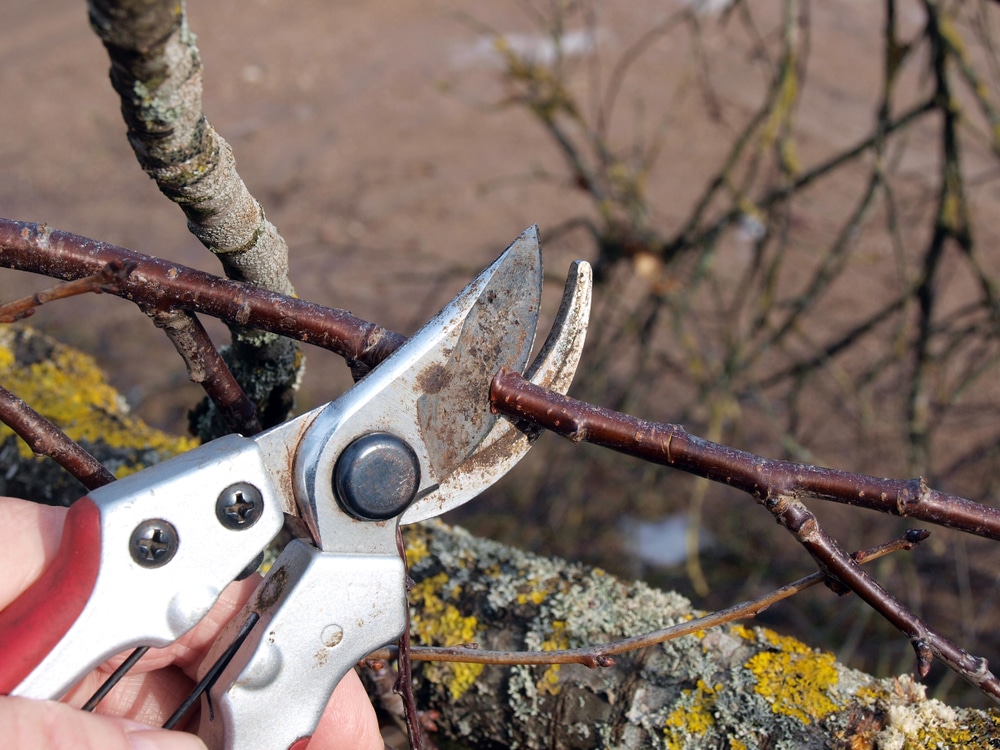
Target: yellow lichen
(534, 594)
(69, 389)
(694, 715)
(794, 679)
(556, 641)
(416, 550)
(742, 631)
(439, 623)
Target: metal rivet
(153, 543)
(376, 477)
(239, 506)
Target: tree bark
(157, 71)
(735, 686)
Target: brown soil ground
(368, 131)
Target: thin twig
(601, 656)
(97, 283)
(45, 439)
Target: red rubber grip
(38, 619)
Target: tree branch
(671, 445)
(206, 367)
(46, 439)
(158, 284)
(156, 69)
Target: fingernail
(162, 739)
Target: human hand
(127, 718)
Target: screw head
(376, 477)
(153, 543)
(239, 506)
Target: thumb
(46, 725)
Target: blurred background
(791, 207)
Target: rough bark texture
(156, 70)
(733, 687)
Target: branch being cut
(777, 485)
(671, 445)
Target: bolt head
(376, 477)
(239, 506)
(154, 543)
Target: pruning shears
(143, 560)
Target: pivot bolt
(153, 543)
(239, 506)
(376, 477)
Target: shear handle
(141, 562)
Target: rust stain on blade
(454, 409)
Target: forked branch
(777, 485)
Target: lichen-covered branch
(603, 655)
(156, 69)
(736, 686)
(67, 388)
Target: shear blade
(506, 443)
(498, 332)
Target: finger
(29, 535)
(349, 719)
(162, 679)
(45, 725)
